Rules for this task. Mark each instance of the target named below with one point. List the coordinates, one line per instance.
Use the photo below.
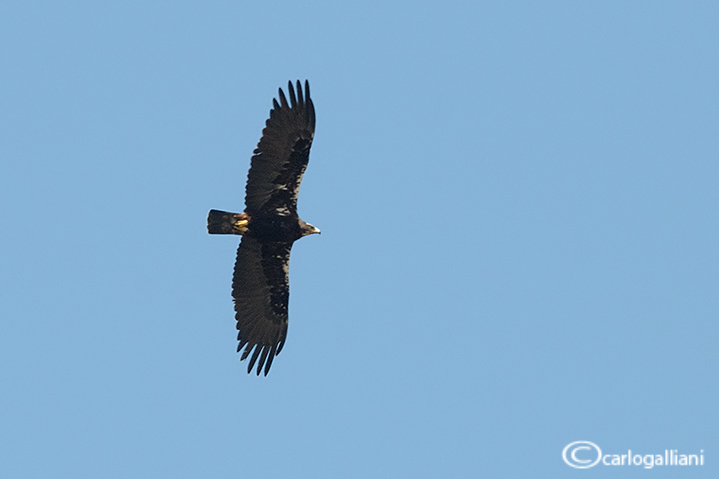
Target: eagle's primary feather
(269, 226)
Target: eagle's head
(308, 229)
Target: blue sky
(518, 204)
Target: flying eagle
(269, 226)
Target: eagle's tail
(224, 223)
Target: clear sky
(519, 210)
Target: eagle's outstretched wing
(281, 157)
(261, 290)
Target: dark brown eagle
(269, 226)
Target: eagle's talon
(241, 226)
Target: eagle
(269, 226)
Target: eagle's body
(269, 226)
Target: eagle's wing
(281, 157)
(261, 290)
